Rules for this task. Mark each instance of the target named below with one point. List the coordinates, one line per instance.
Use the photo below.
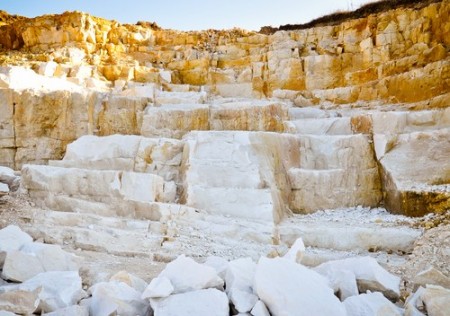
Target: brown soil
(342, 16)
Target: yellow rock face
(394, 57)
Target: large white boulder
(208, 302)
(260, 309)
(116, 298)
(159, 287)
(296, 252)
(187, 275)
(219, 264)
(74, 310)
(240, 274)
(288, 288)
(414, 304)
(432, 276)
(20, 302)
(60, 289)
(12, 238)
(4, 189)
(34, 258)
(131, 280)
(368, 273)
(242, 300)
(8, 177)
(370, 304)
(437, 300)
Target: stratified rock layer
(335, 116)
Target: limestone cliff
(374, 58)
(383, 79)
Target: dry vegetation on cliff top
(343, 16)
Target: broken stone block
(208, 302)
(432, 276)
(116, 298)
(159, 287)
(60, 289)
(242, 300)
(74, 310)
(296, 252)
(131, 280)
(187, 275)
(240, 274)
(288, 288)
(369, 275)
(20, 302)
(175, 120)
(370, 304)
(12, 238)
(8, 177)
(260, 309)
(417, 184)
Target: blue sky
(190, 14)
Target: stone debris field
(146, 171)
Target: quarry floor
(430, 249)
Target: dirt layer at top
(342, 16)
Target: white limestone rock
(96, 148)
(437, 300)
(131, 280)
(34, 258)
(74, 310)
(432, 276)
(414, 304)
(8, 177)
(219, 264)
(260, 309)
(296, 252)
(174, 120)
(12, 238)
(369, 275)
(242, 300)
(108, 186)
(47, 69)
(208, 302)
(240, 275)
(343, 282)
(187, 275)
(60, 289)
(116, 298)
(370, 304)
(19, 266)
(20, 302)
(4, 189)
(165, 97)
(338, 171)
(288, 288)
(236, 173)
(159, 287)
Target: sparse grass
(362, 12)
